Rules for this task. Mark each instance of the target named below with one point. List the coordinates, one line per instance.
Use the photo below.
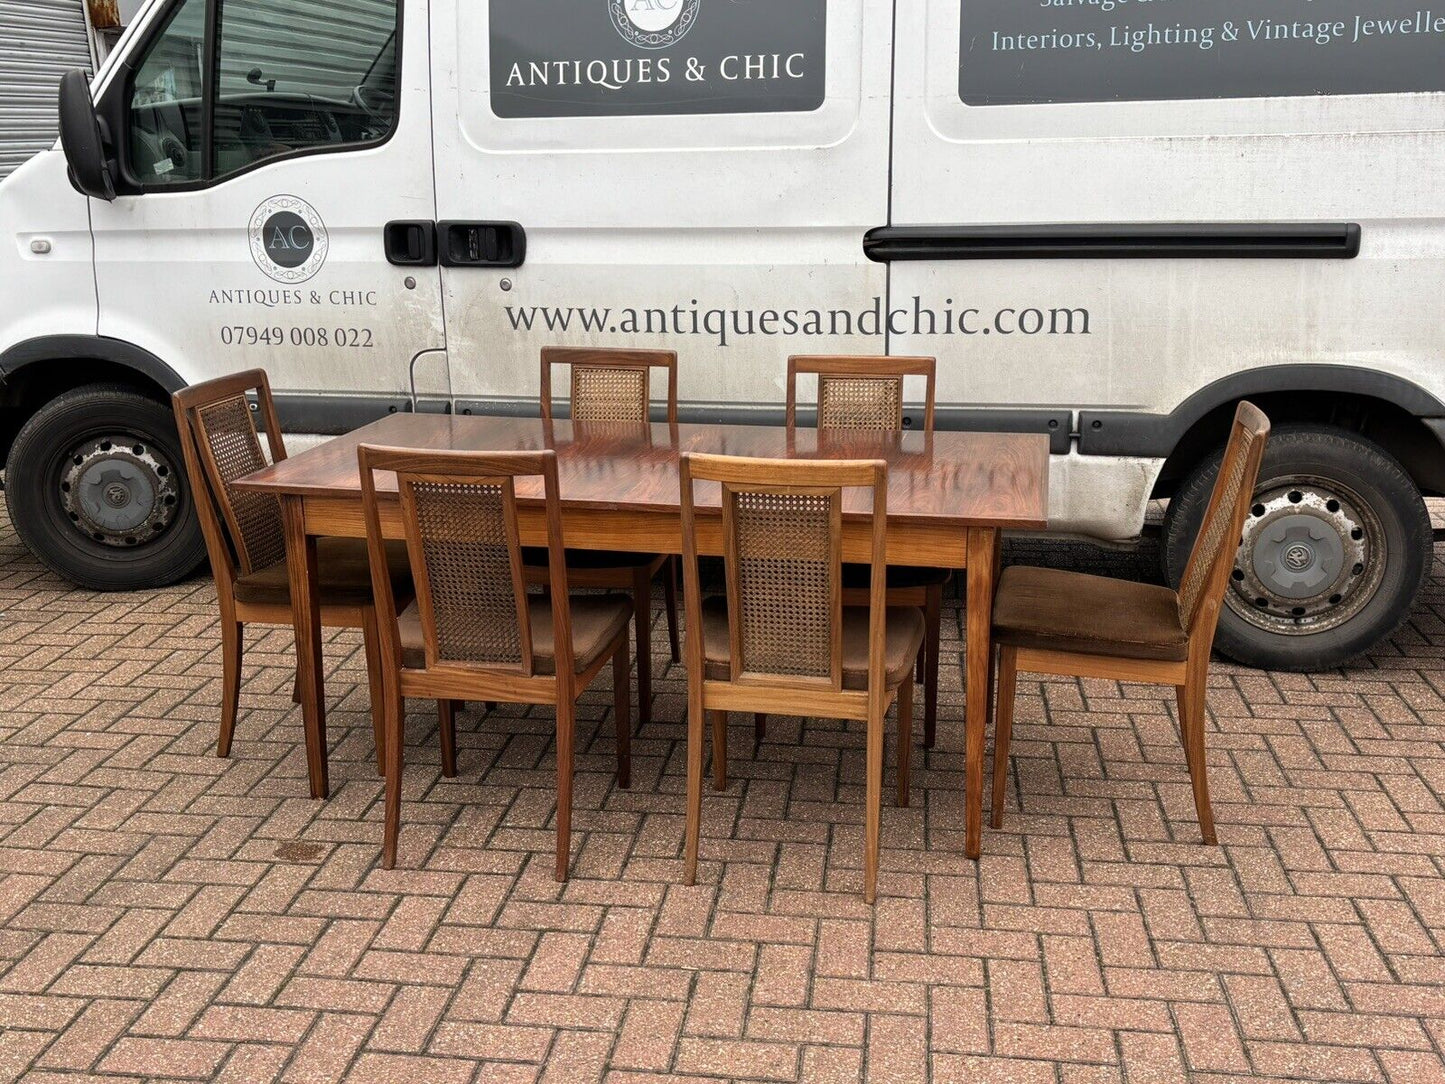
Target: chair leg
(232, 633)
(447, 724)
(1191, 723)
(719, 749)
(371, 638)
(693, 828)
(932, 635)
(1181, 697)
(622, 712)
(395, 742)
(642, 617)
(566, 731)
(669, 594)
(1003, 727)
(873, 812)
(905, 738)
(296, 689)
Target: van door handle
(482, 244)
(411, 243)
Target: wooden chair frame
(586, 357)
(928, 598)
(637, 578)
(878, 367)
(1189, 677)
(219, 527)
(711, 700)
(451, 682)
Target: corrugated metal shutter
(40, 40)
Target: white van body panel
(1161, 330)
(50, 292)
(706, 213)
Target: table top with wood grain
(954, 479)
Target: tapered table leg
(306, 613)
(982, 572)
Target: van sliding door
(1108, 207)
(687, 174)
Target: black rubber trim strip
(1077, 241)
(1134, 433)
(60, 348)
(1053, 423)
(332, 415)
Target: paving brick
(168, 915)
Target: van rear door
(695, 174)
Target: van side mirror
(81, 138)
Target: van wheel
(96, 488)
(1335, 550)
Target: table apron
(919, 545)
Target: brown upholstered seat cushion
(1054, 610)
(903, 636)
(342, 569)
(596, 621)
(900, 577)
(536, 557)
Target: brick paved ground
(165, 914)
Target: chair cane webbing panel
(230, 436)
(860, 402)
(785, 582)
(1213, 545)
(468, 570)
(601, 394)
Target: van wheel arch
(35, 371)
(1381, 407)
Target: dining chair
(473, 631)
(246, 542)
(613, 387)
(866, 392)
(781, 640)
(1069, 623)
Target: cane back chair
(781, 640)
(474, 632)
(613, 387)
(867, 393)
(1068, 623)
(246, 542)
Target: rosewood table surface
(949, 496)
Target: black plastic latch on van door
(482, 244)
(411, 244)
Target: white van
(1108, 219)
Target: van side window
(165, 104)
(289, 76)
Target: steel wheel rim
(118, 490)
(1312, 556)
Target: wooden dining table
(950, 495)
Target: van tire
(96, 488)
(1312, 479)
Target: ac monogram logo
(653, 24)
(288, 239)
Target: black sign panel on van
(1032, 51)
(619, 58)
